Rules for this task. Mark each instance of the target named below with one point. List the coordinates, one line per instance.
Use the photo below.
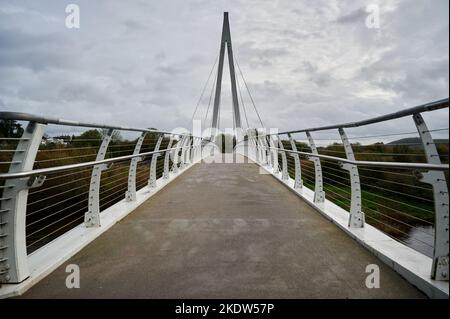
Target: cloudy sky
(144, 63)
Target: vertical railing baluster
(269, 153)
(298, 183)
(92, 216)
(154, 161)
(319, 194)
(192, 155)
(184, 147)
(274, 154)
(357, 217)
(437, 180)
(167, 159)
(176, 153)
(130, 194)
(13, 248)
(284, 168)
(255, 145)
(263, 150)
(188, 151)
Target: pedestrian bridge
(167, 215)
(145, 213)
(224, 231)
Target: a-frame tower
(226, 41)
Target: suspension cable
(204, 88)
(210, 98)
(250, 95)
(242, 101)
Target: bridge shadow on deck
(224, 231)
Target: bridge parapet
(70, 188)
(350, 195)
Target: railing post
(176, 153)
(274, 155)
(92, 216)
(130, 194)
(194, 149)
(199, 149)
(184, 147)
(319, 194)
(167, 159)
(13, 248)
(255, 145)
(187, 153)
(154, 160)
(298, 168)
(437, 180)
(268, 152)
(263, 151)
(357, 217)
(284, 169)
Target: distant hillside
(415, 140)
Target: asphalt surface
(224, 231)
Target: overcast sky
(144, 63)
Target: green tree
(10, 128)
(88, 138)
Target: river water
(421, 238)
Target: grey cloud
(260, 56)
(34, 51)
(84, 92)
(307, 63)
(357, 15)
(134, 25)
(320, 78)
(13, 39)
(34, 60)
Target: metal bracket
(36, 181)
(13, 207)
(130, 194)
(152, 178)
(284, 168)
(298, 170)
(319, 194)
(440, 269)
(92, 216)
(357, 217)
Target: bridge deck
(224, 231)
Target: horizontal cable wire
(42, 238)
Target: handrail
(78, 165)
(19, 116)
(432, 106)
(433, 172)
(405, 165)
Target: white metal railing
(77, 191)
(28, 218)
(267, 147)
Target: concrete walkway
(224, 231)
